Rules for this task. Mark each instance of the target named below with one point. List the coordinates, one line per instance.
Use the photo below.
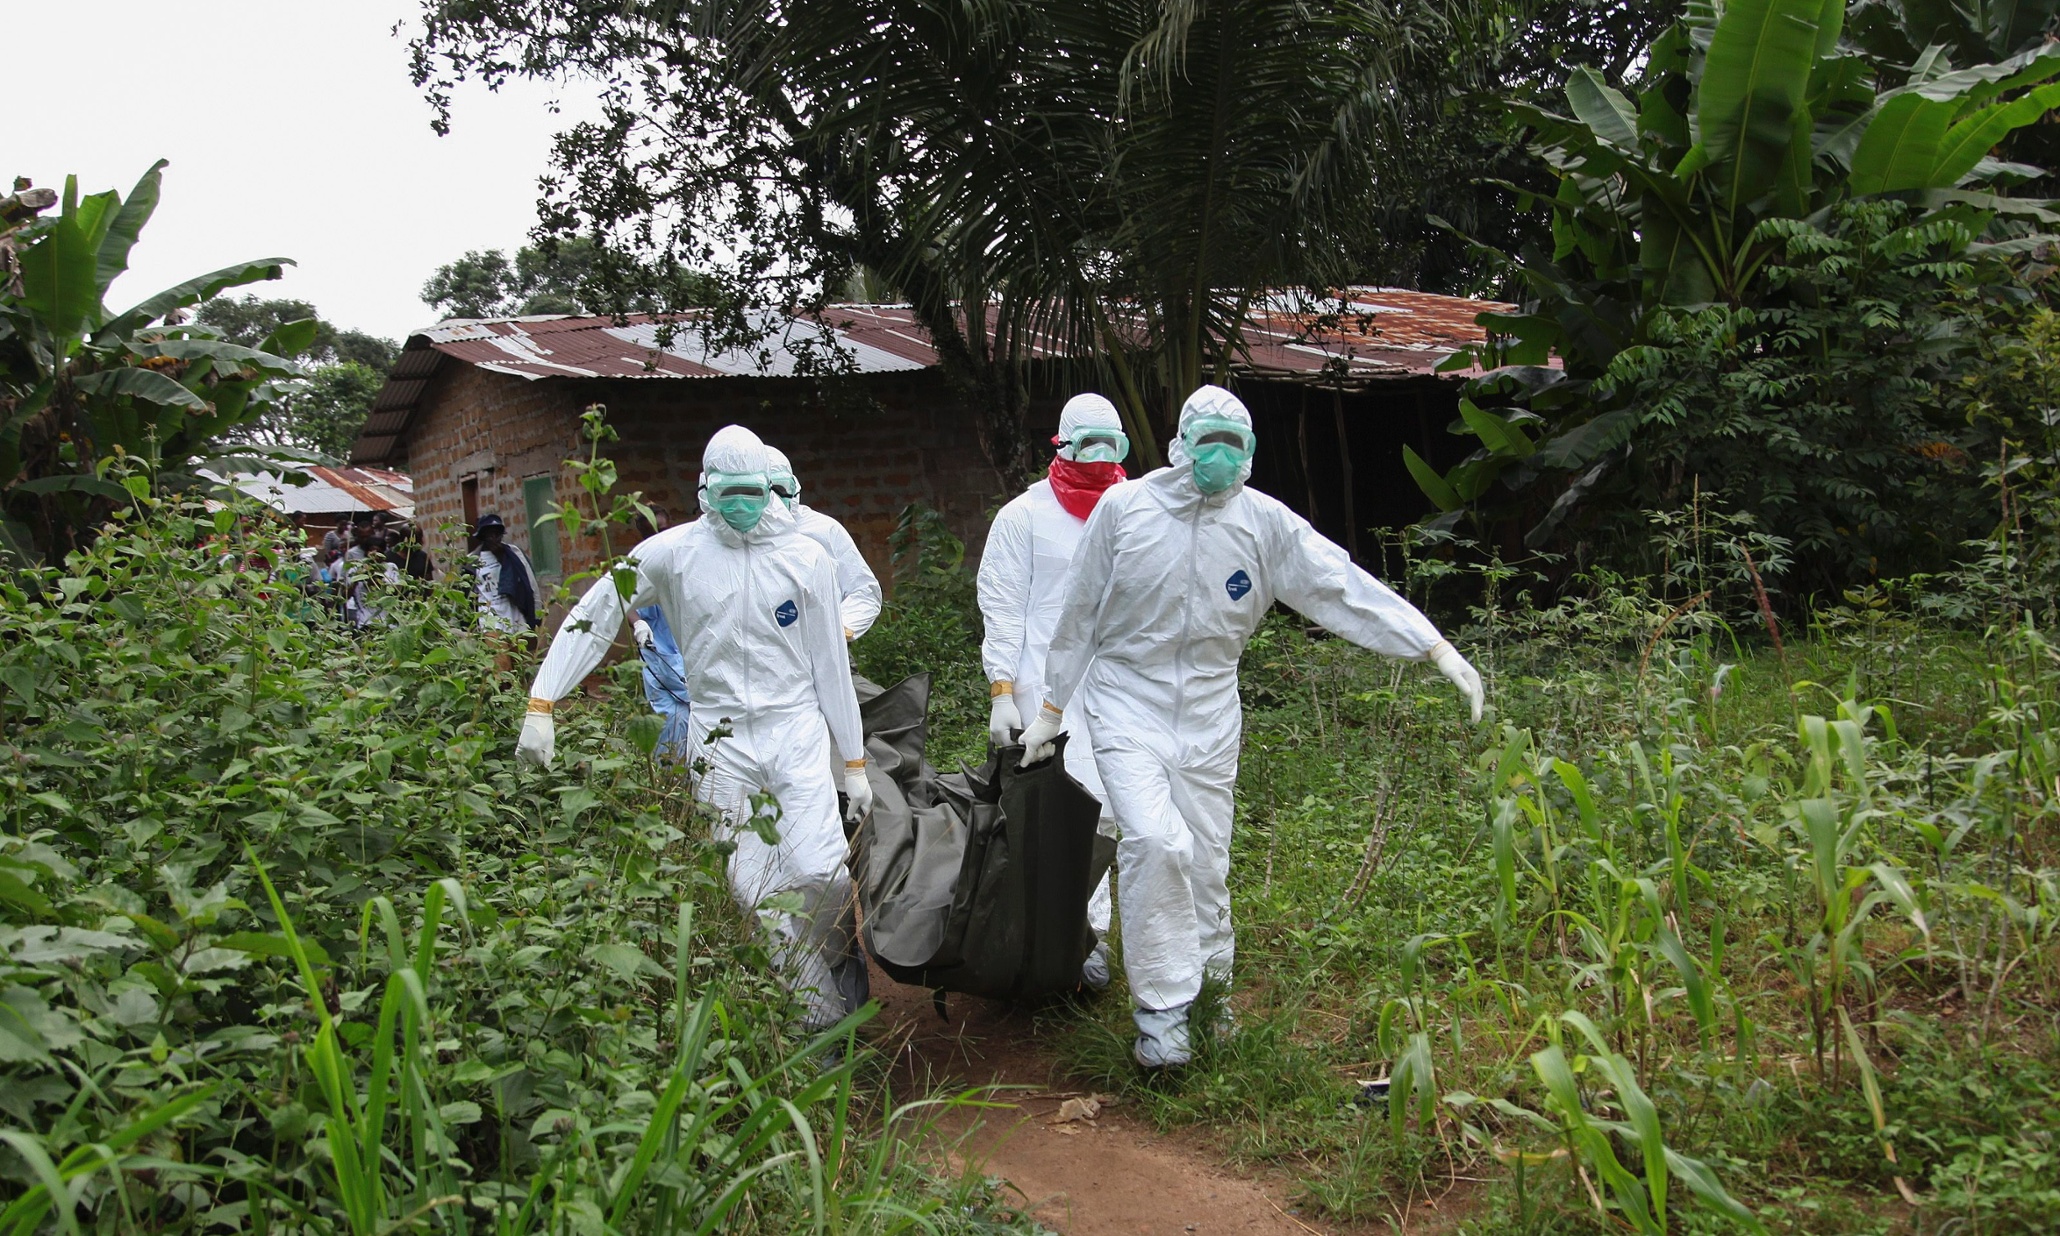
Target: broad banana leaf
(1605, 110)
(1434, 486)
(1983, 82)
(1970, 139)
(227, 357)
(1899, 150)
(191, 292)
(145, 384)
(1754, 80)
(1500, 436)
(57, 278)
(112, 253)
(1918, 140)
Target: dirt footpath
(1082, 1175)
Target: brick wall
(864, 448)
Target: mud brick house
(483, 415)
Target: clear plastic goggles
(1095, 445)
(1213, 431)
(744, 487)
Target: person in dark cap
(405, 548)
(508, 588)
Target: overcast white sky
(292, 132)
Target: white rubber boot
(1095, 970)
(1162, 1041)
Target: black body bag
(976, 881)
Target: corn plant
(1641, 1197)
(1829, 827)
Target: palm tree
(1103, 183)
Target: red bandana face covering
(1078, 486)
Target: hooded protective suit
(856, 584)
(763, 654)
(1168, 586)
(1022, 584)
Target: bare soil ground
(1082, 1176)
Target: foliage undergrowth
(288, 941)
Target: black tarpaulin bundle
(976, 881)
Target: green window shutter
(538, 493)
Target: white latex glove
(1037, 740)
(1462, 674)
(1002, 720)
(539, 739)
(859, 793)
(641, 630)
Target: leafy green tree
(81, 384)
(1750, 129)
(248, 319)
(324, 412)
(560, 276)
(1454, 196)
(1121, 176)
(475, 286)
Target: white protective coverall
(760, 638)
(1168, 586)
(858, 587)
(1022, 584)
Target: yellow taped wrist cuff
(539, 704)
(1053, 712)
(1001, 688)
(857, 765)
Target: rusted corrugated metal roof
(329, 491)
(1360, 335)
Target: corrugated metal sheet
(1381, 330)
(329, 491)
(1362, 335)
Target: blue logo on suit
(786, 613)
(1238, 585)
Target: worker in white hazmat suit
(1173, 576)
(856, 584)
(1022, 584)
(755, 607)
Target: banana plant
(81, 384)
(1751, 114)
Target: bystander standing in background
(506, 581)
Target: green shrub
(288, 941)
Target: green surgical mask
(740, 500)
(1219, 450)
(788, 489)
(1216, 466)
